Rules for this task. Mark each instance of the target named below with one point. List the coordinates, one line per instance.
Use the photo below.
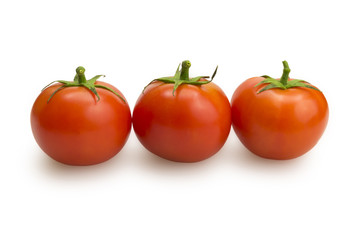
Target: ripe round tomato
(185, 122)
(275, 121)
(76, 127)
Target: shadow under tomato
(56, 169)
(250, 158)
(245, 159)
(157, 164)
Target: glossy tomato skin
(278, 124)
(76, 129)
(188, 127)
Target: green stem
(184, 75)
(80, 72)
(285, 76)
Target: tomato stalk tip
(286, 71)
(80, 72)
(184, 73)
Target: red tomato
(76, 128)
(187, 125)
(278, 123)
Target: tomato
(278, 119)
(182, 119)
(76, 124)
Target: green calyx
(284, 82)
(80, 81)
(182, 77)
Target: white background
(136, 195)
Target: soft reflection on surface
(56, 170)
(135, 163)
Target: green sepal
(148, 85)
(195, 79)
(80, 81)
(311, 87)
(212, 77)
(59, 81)
(111, 90)
(270, 86)
(177, 73)
(268, 80)
(94, 79)
(301, 83)
(266, 76)
(284, 82)
(65, 84)
(176, 85)
(91, 87)
(177, 80)
(165, 79)
(58, 89)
